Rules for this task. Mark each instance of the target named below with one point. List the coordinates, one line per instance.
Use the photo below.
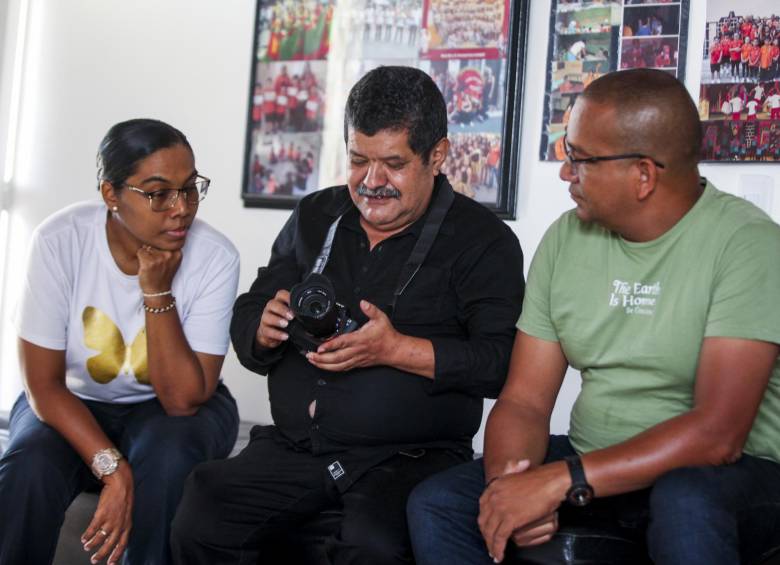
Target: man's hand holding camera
(375, 343)
(276, 317)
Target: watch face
(580, 495)
(105, 463)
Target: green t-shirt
(631, 317)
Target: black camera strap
(439, 209)
(441, 205)
(322, 258)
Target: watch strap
(580, 493)
(576, 470)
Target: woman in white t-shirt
(123, 328)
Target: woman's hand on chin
(156, 268)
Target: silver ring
(102, 531)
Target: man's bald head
(654, 115)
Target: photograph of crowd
(740, 102)
(386, 29)
(293, 145)
(649, 52)
(741, 141)
(284, 165)
(290, 30)
(473, 165)
(452, 26)
(640, 21)
(742, 48)
(289, 97)
(739, 99)
(591, 38)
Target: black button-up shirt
(466, 299)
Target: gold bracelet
(156, 294)
(167, 308)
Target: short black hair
(399, 99)
(127, 143)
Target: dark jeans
(235, 511)
(41, 474)
(696, 515)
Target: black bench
(577, 544)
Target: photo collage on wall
(288, 102)
(589, 38)
(461, 44)
(465, 54)
(739, 100)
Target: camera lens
(313, 304)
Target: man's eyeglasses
(166, 198)
(574, 162)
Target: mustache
(378, 192)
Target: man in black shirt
(435, 284)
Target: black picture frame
(494, 141)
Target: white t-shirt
(76, 299)
(752, 105)
(774, 100)
(736, 104)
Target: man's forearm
(688, 440)
(413, 355)
(731, 381)
(513, 433)
(683, 441)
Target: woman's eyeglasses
(166, 198)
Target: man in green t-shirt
(665, 294)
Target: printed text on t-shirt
(635, 298)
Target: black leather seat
(593, 544)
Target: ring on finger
(102, 531)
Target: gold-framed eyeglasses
(166, 198)
(574, 162)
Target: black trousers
(237, 510)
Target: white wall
(92, 63)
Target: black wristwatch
(580, 493)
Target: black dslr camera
(318, 317)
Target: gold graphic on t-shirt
(101, 333)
